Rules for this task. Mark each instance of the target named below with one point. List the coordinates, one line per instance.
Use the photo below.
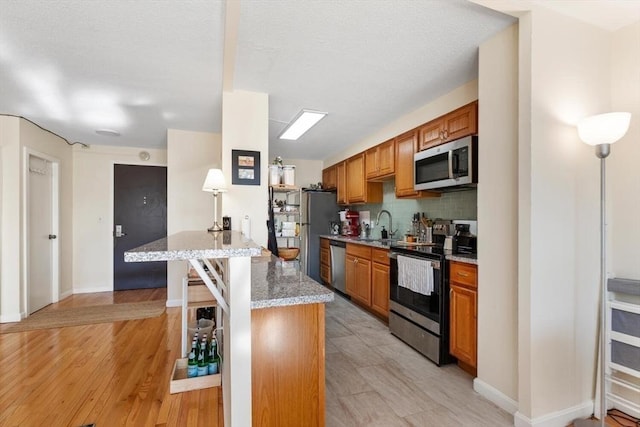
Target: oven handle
(435, 264)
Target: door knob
(52, 236)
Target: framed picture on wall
(245, 167)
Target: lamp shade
(214, 182)
(603, 128)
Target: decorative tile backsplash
(452, 205)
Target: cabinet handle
(441, 135)
(446, 134)
(463, 274)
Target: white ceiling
(140, 67)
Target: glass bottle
(192, 364)
(203, 358)
(213, 356)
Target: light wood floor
(117, 374)
(111, 374)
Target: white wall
(559, 272)
(498, 219)
(238, 109)
(10, 278)
(456, 98)
(307, 171)
(16, 135)
(189, 156)
(622, 165)
(93, 211)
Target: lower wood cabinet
(380, 282)
(367, 277)
(463, 313)
(325, 262)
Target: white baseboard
(10, 318)
(174, 303)
(555, 419)
(93, 290)
(496, 396)
(65, 294)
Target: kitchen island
(272, 317)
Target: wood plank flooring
(110, 374)
(117, 374)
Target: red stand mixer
(351, 224)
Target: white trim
(11, 318)
(55, 226)
(174, 303)
(556, 419)
(93, 290)
(496, 396)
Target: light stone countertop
(277, 283)
(195, 245)
(469, 259)
(274, 282)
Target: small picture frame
(245, 167)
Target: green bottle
(213, 357)
(203, 359)
(192, 364)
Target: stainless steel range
(419, 300)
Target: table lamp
(215, 183)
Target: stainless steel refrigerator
(318, 210)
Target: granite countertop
(376, 243)
(277, 283)
(195, 245)
(468, 258)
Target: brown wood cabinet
(463, 281)
(329, 178)
(380, 160)
(456, 124)
(288, 380)
(380, 282)
(406, 147)
(325, 262)
(358, 273)
(341, 183)
(358, 189)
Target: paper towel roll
(246, 226)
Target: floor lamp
(601, 131)
(215, 183)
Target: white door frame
(55, 225)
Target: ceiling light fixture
(304, 121)
(107, 132)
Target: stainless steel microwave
(453, 164)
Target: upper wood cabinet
(329, 178)
(341, 183)
(379, 160)
(454, 125)
(406, 146)
(358, 189)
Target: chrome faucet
(391, 232)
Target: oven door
(406, 299)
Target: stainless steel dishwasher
(338, 257)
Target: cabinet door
(405, 149)
(371, 163)
(341, 183)
(380, 289)
(356, 179)
(363, 280)
(350, 275)
(463, 335)
(329, 178)
(386, 158)
(325, 273)
(461, 122)
(431, 134)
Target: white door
(39, 227)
